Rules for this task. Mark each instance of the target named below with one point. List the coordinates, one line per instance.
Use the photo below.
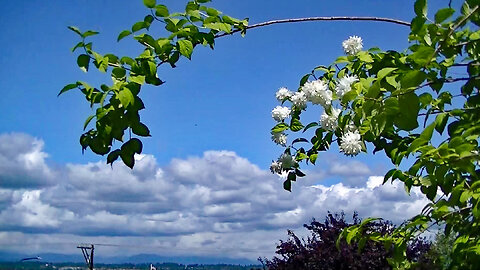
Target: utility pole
(88, 257)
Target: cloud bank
(204, 205)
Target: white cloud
(22, 162)
(218, 201)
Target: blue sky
(204, 182)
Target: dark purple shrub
(319, 250)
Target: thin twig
(448, 80)
(334, 18)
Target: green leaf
(225, 27)
(304, 79)
(299, 173)
(417, 24)
(123, 34)
(417, 143)
(185, 47)
(138, 26)
(428, 132)
(287, 185)
(384, 72)
(68, 87)
(388, 175)
(313, 158)
(213, 12)
(292, 176)
(79, 44)
(312, 124)
(125, 97)
(413, 78)
(422, 55)
(409, 106)
(133, 145)
(161, 11)
(296, 125)
(88, 121)
(83, 61)
(351, 234)
(420, 7)
(440, 122)
(141, 130)
(297, 140)
(149, 3)
(364, 56)
(113, 156)
(138, 79)
(89, 33)
(443, 14)
(75, 29)
(119, 73)
(128, 159)
(425, 100)
(279, 128)
(391, 106)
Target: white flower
(329, 121)
(276, 167)
(279, 113)
(287, 161)
(283, 93)
(279, 138)
(352, 45)
(317, 92)
(344, 85)
(351, 143)
(299, 100)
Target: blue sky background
(213, 109)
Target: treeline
(81, 266)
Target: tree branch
(334, 18)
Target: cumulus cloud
(218, 201)
(22, 162)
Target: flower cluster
(299, 100)
(352, 45)
(285, 161)
(283, 94)
(329, 121)
(351, 143)
(319, 92)
(344, 85)
(280, 113)
(279, 138)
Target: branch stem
(308, 19)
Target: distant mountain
(136, 259)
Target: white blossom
(329, 121)
(287, 161)
(351, 143)
(276, 167)
(317, 92)
(279, 113)
(283, 93)
(352, 45)
(299, 100)
(279, 138)
(344, 85)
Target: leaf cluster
(117, 106)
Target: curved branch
(334, 18)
